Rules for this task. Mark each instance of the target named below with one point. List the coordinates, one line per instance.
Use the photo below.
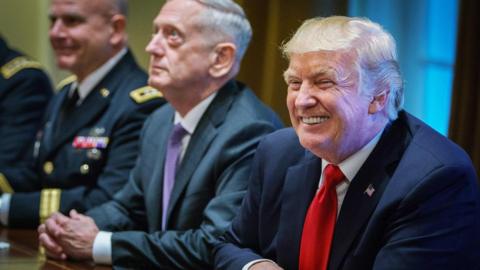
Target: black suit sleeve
(243, 232)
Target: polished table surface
(24, 253)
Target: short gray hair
(374, 46)
(226, 19)
(113, 7)
(122, 6)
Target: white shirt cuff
(5, 208)
(250, 264)
(102, 248)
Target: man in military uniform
(25, 90)
(89, 138)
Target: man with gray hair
(195, 154)
(357, 183)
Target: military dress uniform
(83, 154)
(25, 90)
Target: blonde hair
(374, 46)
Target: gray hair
(122, 6)
(226, 19)
(113, 7)
(375, 47)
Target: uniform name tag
(88, 142)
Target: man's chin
(158, 83)
(64, 62)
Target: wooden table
(24, 254)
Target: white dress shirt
(349, 168)
(102, 245)
(84, 88)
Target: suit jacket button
(84, 169)
(48, 167)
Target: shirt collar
(191, 119)
(87, 85)
(353, 163)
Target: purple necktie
(174, 148)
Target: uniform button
(104, 92)
(48, 167)
(94, 154)
(84, 169)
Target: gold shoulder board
(17, 64)
(144, 94)
(66, 81)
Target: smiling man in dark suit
(357, 183)
(167, 217)
(88, 141)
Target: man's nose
(304, 98)
(155, 46)
(57, 29)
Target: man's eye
(174, 34)
(173, 37)
(52, 21)
(294, 85)
(324, 83)
(72, 21)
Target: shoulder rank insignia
(17, 64)
(145, 94)
(66, 81)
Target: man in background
(196, 152)
(25, 90)
(357, 183)
(89, 138)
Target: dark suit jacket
(25, 90)
(209, 187)
(87, 175)
(424, 213)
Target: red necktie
(320, 221)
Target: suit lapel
(155, 189)
(196, 150)
(48, 140)
(202, 137)
(358, 205)
(93, 105)
(301, 183)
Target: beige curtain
(465, 111)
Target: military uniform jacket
(84, 160)
(24, 93)
(209, 185)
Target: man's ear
(119, 25)
(378, 102)
(222, 59)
